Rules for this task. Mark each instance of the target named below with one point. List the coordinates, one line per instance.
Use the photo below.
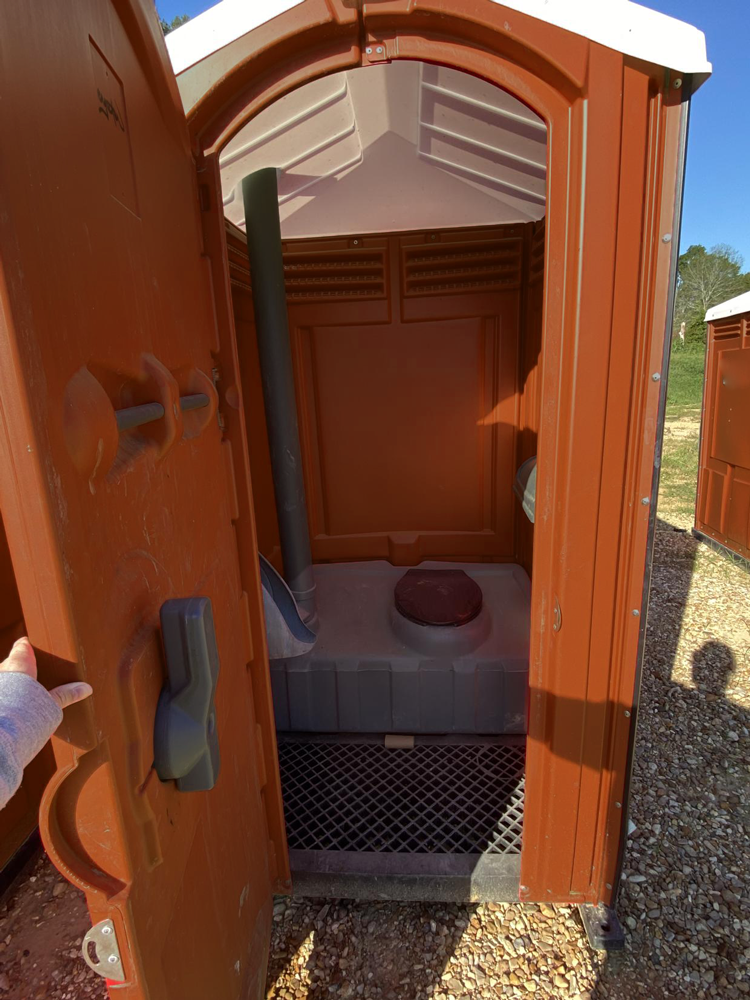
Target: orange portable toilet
(722, 511)
(332, 391)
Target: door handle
(186, 744)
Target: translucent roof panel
(399, 146)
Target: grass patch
(685, 382)
(679, 473)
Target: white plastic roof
(399, 146)
(404, 145)
(732, 307)
(619, 24)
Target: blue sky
(717, 192)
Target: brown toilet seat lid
(438, 597)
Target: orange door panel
(106, 304)
(723, 503)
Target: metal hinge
(105, 960)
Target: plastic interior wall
(723, 502)
(417, 359)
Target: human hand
(21, 660)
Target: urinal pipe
(263, 230)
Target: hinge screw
(618, 805)
(113, 959)
(608, 885)
(677, 83)
(636, 613)
(368, 50)
(656, 377)
(379, 50)
(666, 238)
(627, 714)
(646, 501)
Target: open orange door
(118, 496)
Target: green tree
(176, 22)
(705, 278)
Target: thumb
(21, 659)
(69, 694)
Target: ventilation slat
(341, 274)
(445, 268)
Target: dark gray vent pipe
(263, 229)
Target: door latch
(186, 744)
(101, 940)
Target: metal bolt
(627, 714)
(113, 959)
(355, 243)
(646, 501)
(379, 50)
(608, 885)
(106, 930)
(523, 888)
(666, 238)
(618, 805)
(636, 613)
(656, 377)
(677, 83)
(368, 50)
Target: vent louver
(444, 268)
(341, 275)
(536, 254)
(319, 275)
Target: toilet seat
(442, 597)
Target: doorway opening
(412, 206)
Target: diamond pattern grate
(432, 799)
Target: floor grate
(437, 798)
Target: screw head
(636, 613)
(645, 501)
(666, 238)
(355, 243)
(618, 805)
(113, 960)
(106, 930)
(677, 83)
(368, 50)
(627, 714)
(608, 885)
(656, 377)
(379, 50)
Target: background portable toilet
(463, 653)
(722, 512)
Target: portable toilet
(281, 342)
(722, 511)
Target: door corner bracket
(103, 939)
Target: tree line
(704, 279)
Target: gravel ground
(685, 901)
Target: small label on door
(108, 103)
